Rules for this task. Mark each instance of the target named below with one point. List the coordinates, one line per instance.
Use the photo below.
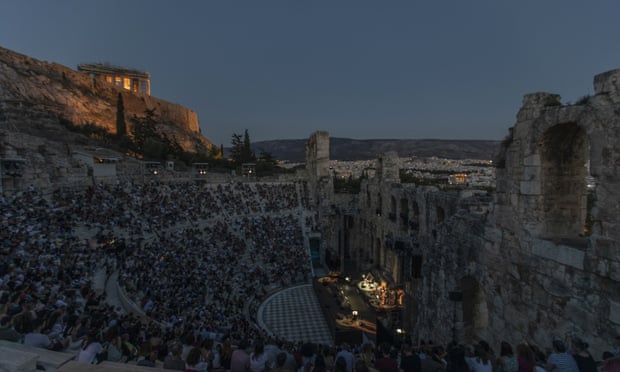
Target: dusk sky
(358, 69)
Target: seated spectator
(339, 366)
(507, 361)
(583, 358)
(456, 359)
(91, 349)
(240, 358)
(7, 332)
(610, 362)
(387, 361)
(525, 358)
(259, 360)
(193, 363)
(36, 337)
(409, 361)
(280, 361)
(480, 361)
(560, 360)
(149, 361)
(174, 361)
(349, 358)
(128, 350)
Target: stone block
(521, 130)
(49, 359)
(614, 271)
(608, 83)
(106, 366)
(17, 361)
(532, 160)
(531, 173)
(530, 188)
(614, 312)
(562, 254)
(582, 315)
(568, 114)
(605, 248)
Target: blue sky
(356, 68)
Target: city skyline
(358, 69)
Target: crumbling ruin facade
(537, 258)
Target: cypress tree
(121, 126)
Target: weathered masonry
(537, 258)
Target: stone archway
(377, 253)
(441, 214)
(475, 310)
(564, 161)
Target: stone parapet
(17, 361)
(22, 355)
(608, 83)
(535, 103)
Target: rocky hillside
(35, 96)
(350, 149)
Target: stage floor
(295, 314)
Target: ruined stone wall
(437, 228)
(557, 203)
(321, 190)
(537, 259)
(46, 163)
(317, 155)
(318, 172)
(77, 97)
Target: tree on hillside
(236, 145)
(241, 150)
(266, 163)
(143, 129)
(248, 155)
(266, 157)
(121, 126)
(214, 153)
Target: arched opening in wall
(384, 257)
(416, 266)
(404, 213)
(370, 250)
(392, 214)
(475, 310)
(377, 252)
(441, 215)
(564, 162)
(347, 224)
(415, 216)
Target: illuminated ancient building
(128, 79)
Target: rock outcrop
(31, 90)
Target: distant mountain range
(347, 149)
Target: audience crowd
(191, 257)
